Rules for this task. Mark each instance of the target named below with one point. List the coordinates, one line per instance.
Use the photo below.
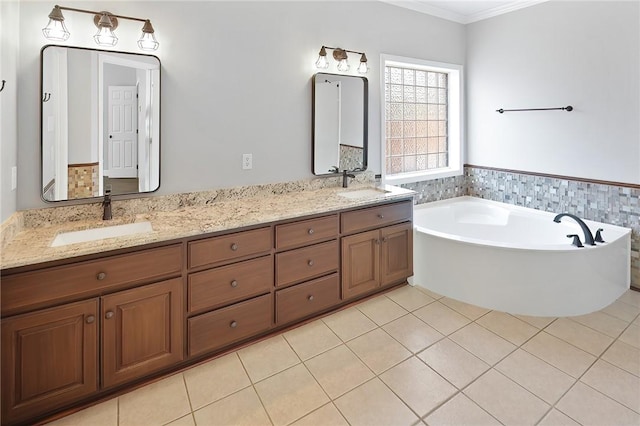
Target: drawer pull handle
(108, 315)
(310, 231)
(381, 216)
(310, 298)
(234, 283)
(91, 319)
(233, 324)
(234, 247)
(310, 263)
(101, 276)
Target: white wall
(9, 19)
(236, 78)
(585, 54)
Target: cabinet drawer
(306, 232)
(228, 247)
(375, 217)
(227, 284)
(51, 286)
(227, 325)
(305, 299)
(305, 263)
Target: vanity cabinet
(56, 355)
(378, 257)
(76, 331)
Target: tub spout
(588, 236)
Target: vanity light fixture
(340, 55)
(106, 22)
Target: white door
(122, 142)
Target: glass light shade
(148, 42)
(105, 37)
(56, 30)
(322, 62)
(343, 65)
(363, 68)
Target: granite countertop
(30, 244)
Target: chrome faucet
(588, 236)
(345, 176)
(106, 203)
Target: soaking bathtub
(517, 260)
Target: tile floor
(409, 357)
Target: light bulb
(343, 65)
(322, 62)
(105, 37)
(56, 30)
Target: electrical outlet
(247, 161)
(14, 178)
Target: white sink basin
(362, 193)
(95, 234)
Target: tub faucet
(345, 176)
(588, 236)
(106, 203)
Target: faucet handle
(576, 240)
(598, 237)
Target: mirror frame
(40, 100)
(365, 130)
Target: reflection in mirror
(339, 123)
(100, 125)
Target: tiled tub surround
(600, 202)
(177, 216)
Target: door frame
(107, 58)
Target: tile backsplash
(607, 203)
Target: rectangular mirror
(339, 108)
(100, 123)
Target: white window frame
(455, 119)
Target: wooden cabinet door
(142, 331)
(49, 359)
(397, 253)
(360, 263)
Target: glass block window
(416, 120)
(422, 125)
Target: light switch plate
(247, 161)
(14, 177)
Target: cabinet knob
(234, 283)
(310, 298)
(310, 231)
(310, 262)
(108, 315)
(101, 276)
(377, 241)
(381, 216)
(233, 324)
(91, 319)
(234, 247)
(385, 239)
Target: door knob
(310, 298)
(233, 324)
(234, 283)
(101, 276)
(91, 319)
(234, 247)
(108, 315)
(310, 263)
(310, 231)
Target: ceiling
(463, 11)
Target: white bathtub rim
(507, 245)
